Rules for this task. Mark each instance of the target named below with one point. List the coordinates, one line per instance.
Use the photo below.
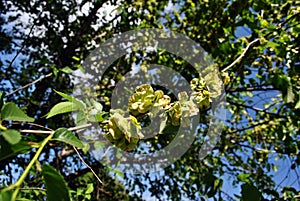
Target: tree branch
(36, 131)
(246, 128)
(33, 188)
(251, 89)
(91, 169)
(242, 55)
(257, 149)
(24, 43)
(33, 124)
(16, 186)
(257, 109)
(288, 19)
(29, 84)
(51, 131)
(79, 127)
(228, 196)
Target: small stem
(3, 128)
(17, 185)
(36, 131)
(34, 188)
(33, 124)
(87, 165)
(24, 43)
(27, 85)
(79, 127)
(50, 132)
(242, 55)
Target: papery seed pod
(132, 144)
(142, 100)
(164, 101)
(158, 94)
(109, 137)
(225, 78)
(174, 114)
(121, 143)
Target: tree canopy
(254, 45)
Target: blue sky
(283, 176)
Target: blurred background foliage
(258, 154)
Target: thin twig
(70, 129)
(105, 192)
(79, 127)
(24, 43)
(18, 183)
(257, 109)
(33, 188)
(227, 195)
(91, 169)
(242, 55)
(29, 84)
(288, 19)
(33, 124)
(252, 89)
(247, 128)
(256, 40)
(105, 153)
(36, 131)
(51, 131)
(257, 149)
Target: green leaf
(1, 99)
(76, 101)
(97, 105)
(118, 173)
(86, 147)
(290, 95)
(250, 193)
(6, 196)
(75, 58)
(55, 70)
(297, 106)
(60, 108)
(244, 177)
(214, 188)
(55, 184)
(98, 145)
(8, 150)
(66, 136)
(11, 136)
(81, 118)
(101, 117)
(89, 188)
(67, 70)
(11, 112)
(163, 125)
(274, 46)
